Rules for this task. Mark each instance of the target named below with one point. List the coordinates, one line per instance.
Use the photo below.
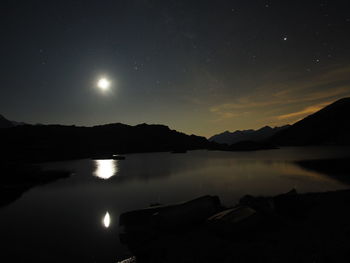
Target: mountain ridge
(54, 142)
(329, 125)
(258, 135)
(5, 123)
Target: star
(285, 38)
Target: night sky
(200, 67)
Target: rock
(234, 220)
(139, 227)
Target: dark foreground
(313, 227)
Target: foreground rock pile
(291, 227)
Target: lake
(76, 219)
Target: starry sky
(200, 67)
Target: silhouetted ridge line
(5, 123)
(330, 125)
(259, 135)
(47, 142)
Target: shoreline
(19, 178)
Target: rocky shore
(291, 227)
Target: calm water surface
(76, 219)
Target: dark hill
(330, 125)
(246, 135)
(49, 142)
(5, 123)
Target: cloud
(223, 113)
(310, 93)
(302, 113)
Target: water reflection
(338, 169)
(106, 220)
(105, 169)
(155, 178)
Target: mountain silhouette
(50, 142)
(330, 125)
(259, 135)
(5, 123)
(54, 142)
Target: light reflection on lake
(78, 210)
(105, 169)
(106, 220)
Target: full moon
(103, 84)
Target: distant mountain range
(259, 135)
(331, 125)
(5, 123)
(52, 142)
